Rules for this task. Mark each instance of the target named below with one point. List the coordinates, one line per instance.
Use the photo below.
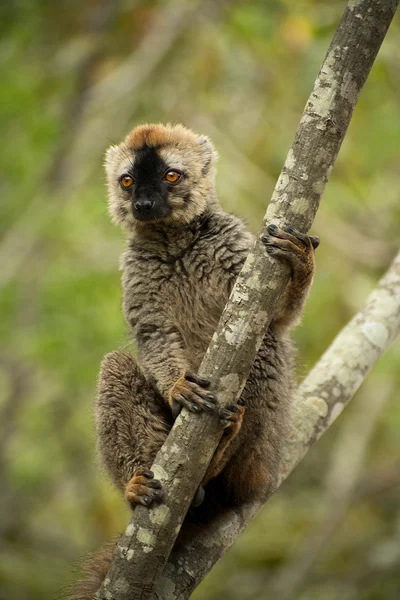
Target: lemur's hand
(143, 488)
(293, 247)
(231, 417)
(191, 392)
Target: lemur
(181, 261)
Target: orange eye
(172, 176)
(126, 182)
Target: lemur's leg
(231, 419)
(297, 249)
(132, 424)
(253, 470)
(191, 388)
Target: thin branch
(146, 544)
(320, 399)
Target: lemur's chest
(193, 292)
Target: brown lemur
(182, 258)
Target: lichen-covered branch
(320, 399)
(341, 370)
(181, 463)
(343, 476)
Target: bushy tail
(93, 570)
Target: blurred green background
(77, 76)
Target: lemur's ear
(109, 155)
(208, 151)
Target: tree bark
(342, 479)
(319, 401)
(181, 464)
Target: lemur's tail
(93, 570)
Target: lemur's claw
(272, 229)
(202, 381)
(175, 409)
(231, 415)
(291, 245)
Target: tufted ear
(208, 151)
(110, 154)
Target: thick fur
(94, 570)
(178, 272)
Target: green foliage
(242, 76)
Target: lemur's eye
(172, 176)
(126, 182)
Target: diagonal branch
(146, 544)
(344, 473)
(320, 399)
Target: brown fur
(222, 455)
(177, 136)
(94, 570)
(178, 273)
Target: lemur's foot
(143, 488)
(231, 417)
(198, 497)
(191, 392)
(292, 246)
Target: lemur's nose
(143, 205)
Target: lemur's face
(149, 184)
(159, 174)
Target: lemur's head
(160, 173)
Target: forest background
(77, 77)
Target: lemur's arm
(162, 352)
(298, 250)
(164, 359)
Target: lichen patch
(159, 472)
(335, 412)
(146, 537)
(248, 265)
(230, 384)
(290, 160)
(160, 515)
(282, 182)
(253, 282)
(236, 333)
(376, 333)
